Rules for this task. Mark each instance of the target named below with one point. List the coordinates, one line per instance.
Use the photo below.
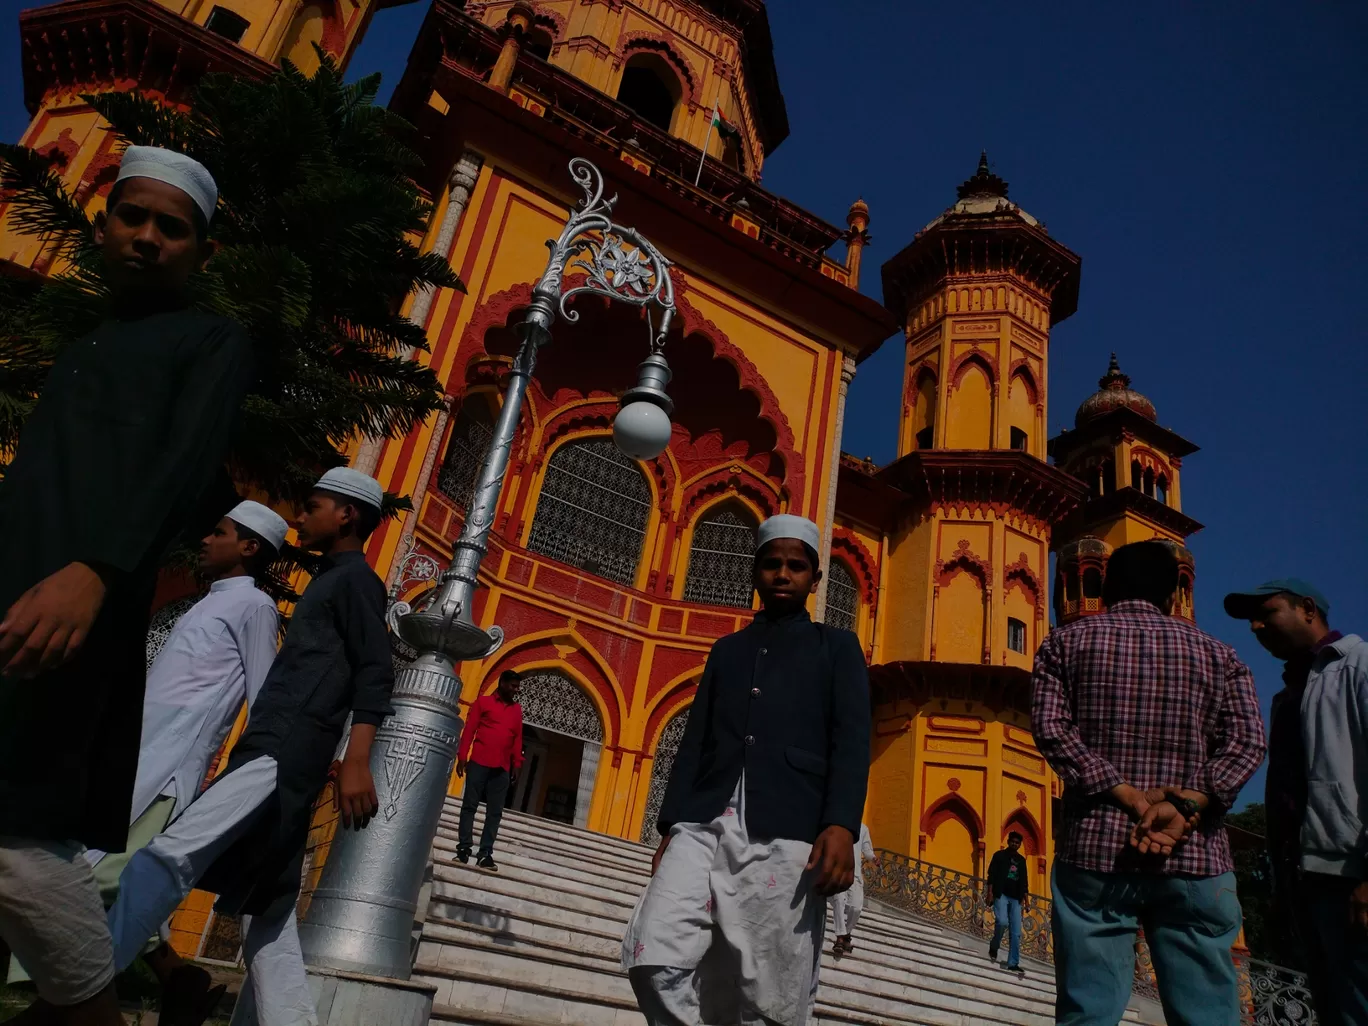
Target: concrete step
(539, 942)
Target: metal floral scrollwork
(618, 262)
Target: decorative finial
(984, 182)
(1114, 379)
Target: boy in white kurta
(211, 665)
(847, 906)
(760, 816)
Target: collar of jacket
(765, 618)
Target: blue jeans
(1336, 952)
(1190, 923)
(1007, 918)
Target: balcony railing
(1270, 994)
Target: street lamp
(361, 916)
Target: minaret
(160, 48)
(964, 600)
(1131, 466)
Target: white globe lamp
(641, 428)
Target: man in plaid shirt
(1153, 726)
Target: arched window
(466, 450)
(1161, 490)
(1149, 482)
(1108, 476)
(1137, 477)
(843, 597)
(538, 44)
(721, 556)
(650, 88)
(593, 509)
(1092, 583)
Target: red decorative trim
(860, 560)
(964, 560)
(547, 18)
(1023, 576)
(679, 698)
(585, 672)
(1022, 367)
(1024, 823)
(1151, 460)
(961, 366)
(951, 806)
(729, 480)
(662, 45)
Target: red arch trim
(951, 806)
(847, 543)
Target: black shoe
(189, 997)
(1015, 969)
(992, 954)
(487, 862)
(463, 855)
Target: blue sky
(1208, 164)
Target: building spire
(984, 182)
(1114, 379)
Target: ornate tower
(970, 504)
(1131, 467)
(162, 49)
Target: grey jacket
(1334, 714)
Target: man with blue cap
(1316, 788)
(244, 838)
(113, 464)
(762, 809)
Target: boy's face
(222, 550)
(784, 575)
(508, 689)
(321, 521)
(148, 241)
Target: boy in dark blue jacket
(762, 810)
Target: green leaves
(316, 205)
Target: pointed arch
(951, 806)
(1032, 837)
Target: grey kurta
(133, 424)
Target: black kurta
(133, 424)
(786, 700)
(335, 660)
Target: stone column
(589, 763)
(460, 185)
(829, 520)
(515, 30)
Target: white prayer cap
(186, 174)
(353, 484)
(786, 525)
(261, 519)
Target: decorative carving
(554, 702)
(866, 567)
(662, 45)
(666, 747)
(1021, 797)
(164, 622)
(953, 783)
(963, 559)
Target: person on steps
(114, 462)
(1006, 892)
(244, 837)
(761, 812)
(489, 757)
(847, 906)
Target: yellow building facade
(611, 578)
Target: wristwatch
(1186, 806)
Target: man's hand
(50, 622)
(356, 799)
(1358, 907)
(659, 853)
(1133, 801)
(460, 767)
(833, 856)
(1160, 829)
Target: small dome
(1085, 545)
(984, 194)
(1114, 392)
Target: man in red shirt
(494, 730)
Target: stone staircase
(538, 943)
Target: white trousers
(52, 919)
(846, 908)
(158, 878)
(728, 930)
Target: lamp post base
(354, 999)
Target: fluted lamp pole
(361, 917)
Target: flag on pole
(724, 127)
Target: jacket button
(750, 739)
(755, 692)
(763, 651)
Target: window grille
(164, 622)
(466, 451)
(721, 557)
(1016, 634)
(554, 702)
(593, 509)
(665, 751)
(843, 597)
